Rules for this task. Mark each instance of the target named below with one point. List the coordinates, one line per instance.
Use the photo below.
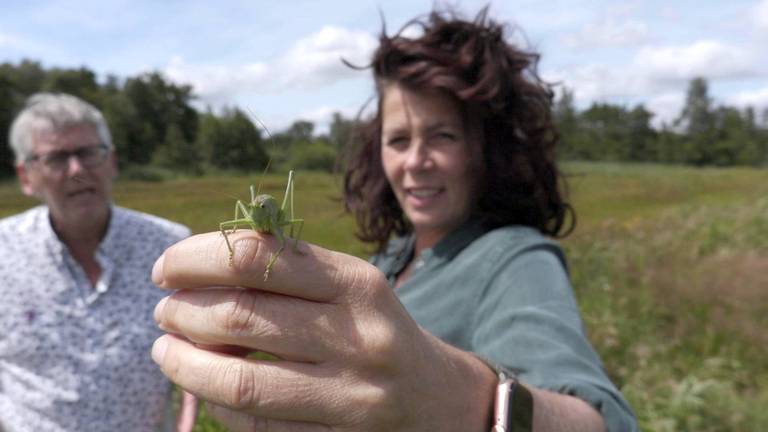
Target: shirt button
(418, 264)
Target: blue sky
(280, 60)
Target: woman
(457, 164)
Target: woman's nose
(418, 156)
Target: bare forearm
(563, 413)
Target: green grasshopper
(263, 215)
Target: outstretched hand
(349, 357)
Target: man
(76, 317)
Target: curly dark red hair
(500, 92)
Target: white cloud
(595, 82)
(760, 15)
(608, 33)
(666, 107)
(218, 84)
(312, 62)
(598, 83)
(317, 60)
(655, 70)
(23, 44)
(707, 58)
(322, 116)
(7, 40)
(757, 98)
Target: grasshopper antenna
(264, 174)
(263, 126)
(271, 138)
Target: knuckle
(376, 403)
(249, 253)
(359, 280)
(238, 316)
(381, 347)
(238, 385)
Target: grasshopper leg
(226, 239)
(272, 261)
(300, 224)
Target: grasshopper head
(265, 210)
(265, 201)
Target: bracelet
(513, 408)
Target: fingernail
(159, 348)
(157, 271)
(159, 310)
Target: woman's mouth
(423, 192)
(422, 196)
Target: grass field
(670, 266)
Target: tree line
(156, 128)
(703, 134)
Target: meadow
(669, 264)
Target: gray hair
(51, 112)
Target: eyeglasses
(56, 161)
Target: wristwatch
(513, 407)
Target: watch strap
(521, 410)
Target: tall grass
(669, 264)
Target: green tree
(7, 111)
(340, 131)
(129, 132)
(605, 132)
(340, 136)
(669, 145)
(567, 121)
(287, 142)
(77, 82)
(736, 139)
(27, 77)
(16, 83)
(233, 142)
(318, 155)
(301, 131)
(159, 104)
(641, 137)
(697, 121)
(178, 154)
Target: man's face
(71, 172)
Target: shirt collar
(450, 245)
(111, 237)
(49, 236)
(401, 249)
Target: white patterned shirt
(74, 357)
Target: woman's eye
(397, 141)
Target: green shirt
(505, 295)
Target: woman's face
(428, 160)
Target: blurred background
(662, 106)
(651, 81)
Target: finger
(311, 272)
(288, 327)
(271, 389)
(238, 421)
